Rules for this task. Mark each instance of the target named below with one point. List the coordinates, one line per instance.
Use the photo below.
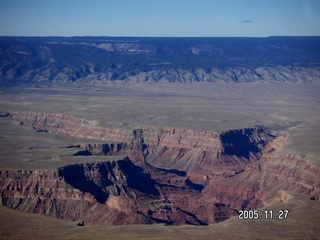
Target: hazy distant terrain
(26, 60)
(57, 95)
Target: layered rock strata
(172, 176)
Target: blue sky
(189, 18)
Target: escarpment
(68, 125)
(171, 176)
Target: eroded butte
(171, 176)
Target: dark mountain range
(84, 59)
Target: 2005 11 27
(281, 214)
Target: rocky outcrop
(171, 176)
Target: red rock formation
(117, 192)
(172, 176)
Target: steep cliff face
(172, 176)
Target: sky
(160, 18)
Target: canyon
(171, 176)
(124, 136)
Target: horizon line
(123, 36)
